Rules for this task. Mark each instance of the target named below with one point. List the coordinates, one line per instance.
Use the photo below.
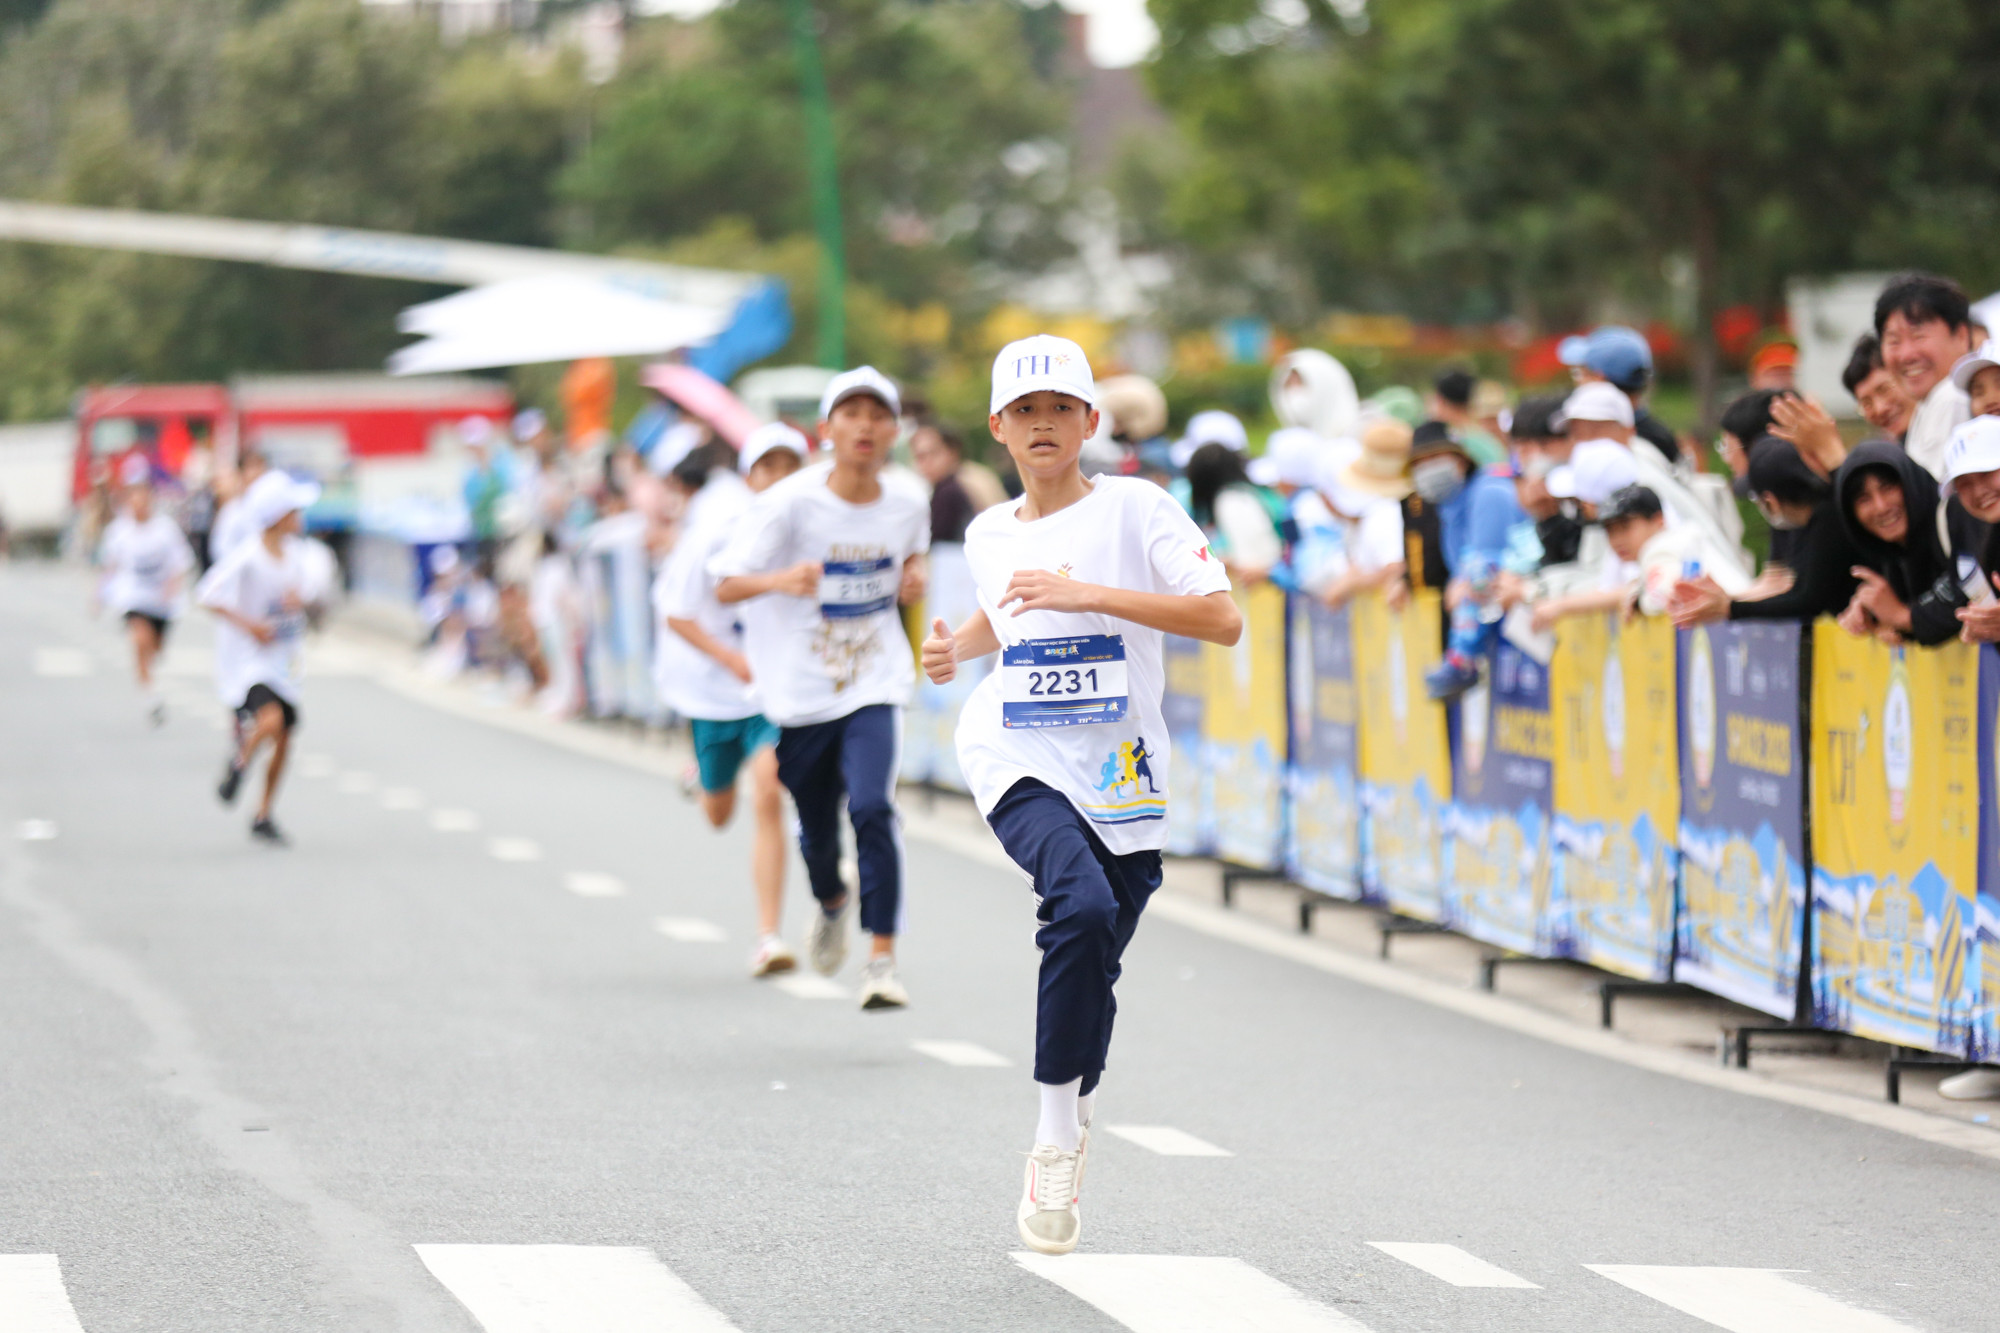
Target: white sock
(1085, 1104)
(1059, 1125)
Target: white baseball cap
(1291, 457)
(771, 435)
(1599, 400)
(1044, 361)
(1216, 426)
(861, 379)
(1967, 367)
(1596, 470)
(476, 431)
(1974, 447)
(276, 494)
(136, 470)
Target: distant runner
(145, 558)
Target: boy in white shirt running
(703, 675)
(261, 592)
(145, 557)
(1064, 746)
(823, 560)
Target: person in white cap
(702, 673)
(262, 593)
(1213, 426)
(826, 556)
(1064, 746)
(145, 558)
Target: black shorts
(253, 704)
(159, 623)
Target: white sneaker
(1048, 1218)
(771, 958)
(1974, 1085)
(156, 710)
(879, 987)
(826, 942)
(690, 783)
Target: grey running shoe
(880, 988)
(1048, 1219)
(826, 942)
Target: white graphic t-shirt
(822, 657)
(253, 583)
(1074, 700)
(691, 682)
(141, 562)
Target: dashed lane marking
(36, 830)
(1168, 1293)
(1748, 1300)
(317, 765)
(689, 930)
(454, 821)
(402, 798)
(63, 662)
(1168, 1141)
(591, 884)
(1451, 1264)
(354, 784)
(32, 1296)
(967, 1054)
(805, 986)
(570, 1289)
(514, 849)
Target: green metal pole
(824, 169)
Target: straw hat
(1384, 462)
(1136, 405)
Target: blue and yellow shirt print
(1081, 681)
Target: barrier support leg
(1608, 993)
(1740, 1039)
(1898, 1063)
(1490, 964)
(1232, 874)
(1395, 924)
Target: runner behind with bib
(703, 675)
(1064, 746)
(262, 592)
(145, 558)
(821, 562)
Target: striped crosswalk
(628, 1289)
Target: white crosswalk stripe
(32, 1296)
(1748, 1300)
(1451, 1264)
(970, 1055)
(1168, 1141)
(570, 1289)
(1167, 1293)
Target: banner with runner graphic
(1985, 960)
(1617, 794)
(1190, 811)
(1742, 828)
(1895, 787)
(1323, 843)
(1496, 849)
(1244, 753)
(1405, 754)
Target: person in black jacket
(1796, 499)
(1909, 587)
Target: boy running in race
(145, 558)
(261, 592)
(1078, 582)
(702, 673)
(824, 558)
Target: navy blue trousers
(1088, 901)
(856, 757)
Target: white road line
(1451, 1264)
(63, 662)
(690, 930)
(32, 1296)
(1167, 1293)
(37, 830)
(355, 784)
(570, 1289)
(514, 849)
(402, 798)
(1748, 1300)
(454, 821)
(806, 986)
(968, 1054)
(317, 765)
(1168, 1141)
(590, 884)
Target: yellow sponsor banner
(1244, 732)
(1405, 753)
(1617, 793)
(1895, 842)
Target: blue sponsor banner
(1984, 1043)
(1742, 828)
(1323, 840)
(1184, 703)
(1496, 849)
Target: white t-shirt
(253, 583)
(689, 681)
(141, 563)
(822, 657)
(1075, 700)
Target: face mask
(1538, 467)
(1295, 402)
(1437, 479)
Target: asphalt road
(240, 1087)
